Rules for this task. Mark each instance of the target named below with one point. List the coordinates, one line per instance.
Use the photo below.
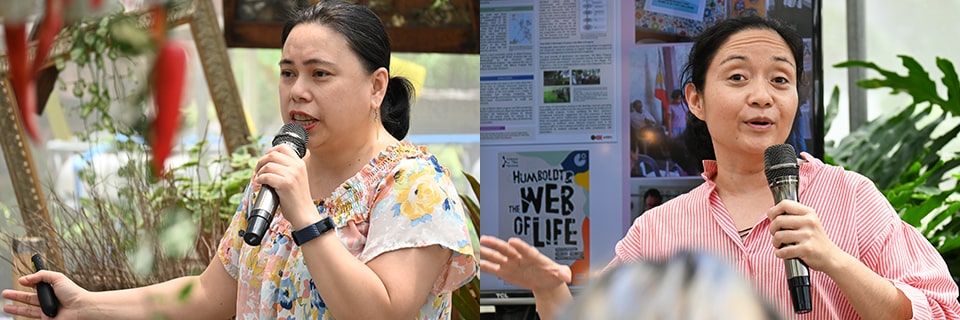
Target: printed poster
(544, 201)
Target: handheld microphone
(261, 214)
(49, 303)
(780, 166)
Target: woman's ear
(694, 100)
(380, 78)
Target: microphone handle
(798, 275)
(263, 210)
(261, 215)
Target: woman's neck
(739, 174)
(330, 167)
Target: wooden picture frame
(409, 23)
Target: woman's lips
(303, 119)
(759, 123)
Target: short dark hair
(652, 192)
(676, 94)
(368, 39)
(704, 49)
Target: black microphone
(263, 210)
(783, 172)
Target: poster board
(596, 77)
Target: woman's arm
(412, 233)
(872, 296)
(212, 296)
(394, 285)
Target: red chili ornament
(169, 75)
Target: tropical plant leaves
(903, 153)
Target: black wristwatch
(313, 231)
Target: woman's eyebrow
(312, 61)
(783, 59)
(733, 57)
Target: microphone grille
(780, 160)
(294, 135)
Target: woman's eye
(737, 77)
(781, 80)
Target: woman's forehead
(754, 42)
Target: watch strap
(313, 231)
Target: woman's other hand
(68, 293)
(520, 264)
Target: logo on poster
(509, 162)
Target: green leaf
(184, 293)
(950, 80)
(938, 219)
(916, 83)
(914, 215)
(474, 184)
(950, 244)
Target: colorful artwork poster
(544, 199)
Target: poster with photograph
(690, 9)
(657, 112)
(543, 200)
(671, 21)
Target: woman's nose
(760, 95)
(299, 91)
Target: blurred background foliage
(904, 154)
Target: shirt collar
(808, 165)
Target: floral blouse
(402, 199)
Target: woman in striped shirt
(741, 82)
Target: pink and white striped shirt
(854, 215)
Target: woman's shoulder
(405, 156)
(402, 152)
(812, 168)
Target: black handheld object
(783, 174)
(263, 210)
(48, 301)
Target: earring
(376, 121)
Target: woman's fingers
(30, 280)
(493, 256)
(22, 297)
(790, 237)
(522, 248)
(500, 246)
(32, 312)
(489, 267)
